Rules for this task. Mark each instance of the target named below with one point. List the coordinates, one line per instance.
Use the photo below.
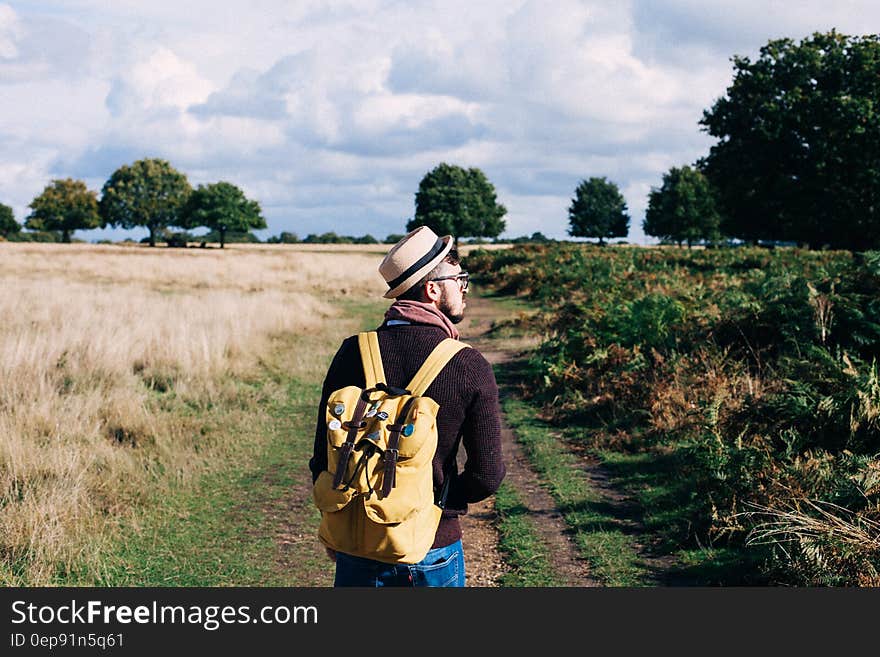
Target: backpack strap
(438, 359)
(374, 373)
(448, 468)
(371, 358)
(435, 362)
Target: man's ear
(433, 291)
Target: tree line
(797, 160)
(148, 193)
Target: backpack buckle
(394, 391)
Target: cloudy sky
(329, 113)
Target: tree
(149, 193)
(598, 210)
(327, 238)
(65, 206)
(536, 238)
(8, 224)
(284, 237)
(221, 207)
(798, 156)
(458, 202)
(683, 209)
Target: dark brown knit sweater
(468, 397)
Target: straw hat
(410, 260)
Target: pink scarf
(419, 312)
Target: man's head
(424, 267)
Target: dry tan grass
(234, 268)
(819, 537)
(92, 341)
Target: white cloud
(22, 180)
(380, 112)
(330, 113)
(160, 80)
(40, 47)
(578, 60)
(435, 64)
(336, 103)
(10, 32)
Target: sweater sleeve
(339, 374)
(481, 437)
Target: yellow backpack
(377, 495)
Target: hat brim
(416, 276)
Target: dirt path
(484, 563)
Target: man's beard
(446, 308)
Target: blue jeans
(442, 566)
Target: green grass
(510, 304)
(597, 530)
(658, 483)
(224, 530)
(526, 557)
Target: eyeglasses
(463, 280)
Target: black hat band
(421, 262)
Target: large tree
(65, 206)
(683, 209)
(798, 156)
(598, 209)
(148, 193)
(222, 207)
(8, 224)
(455, 201)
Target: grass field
(130, 373)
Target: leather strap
(356, 423)
(389, 477)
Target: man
(426, 280)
